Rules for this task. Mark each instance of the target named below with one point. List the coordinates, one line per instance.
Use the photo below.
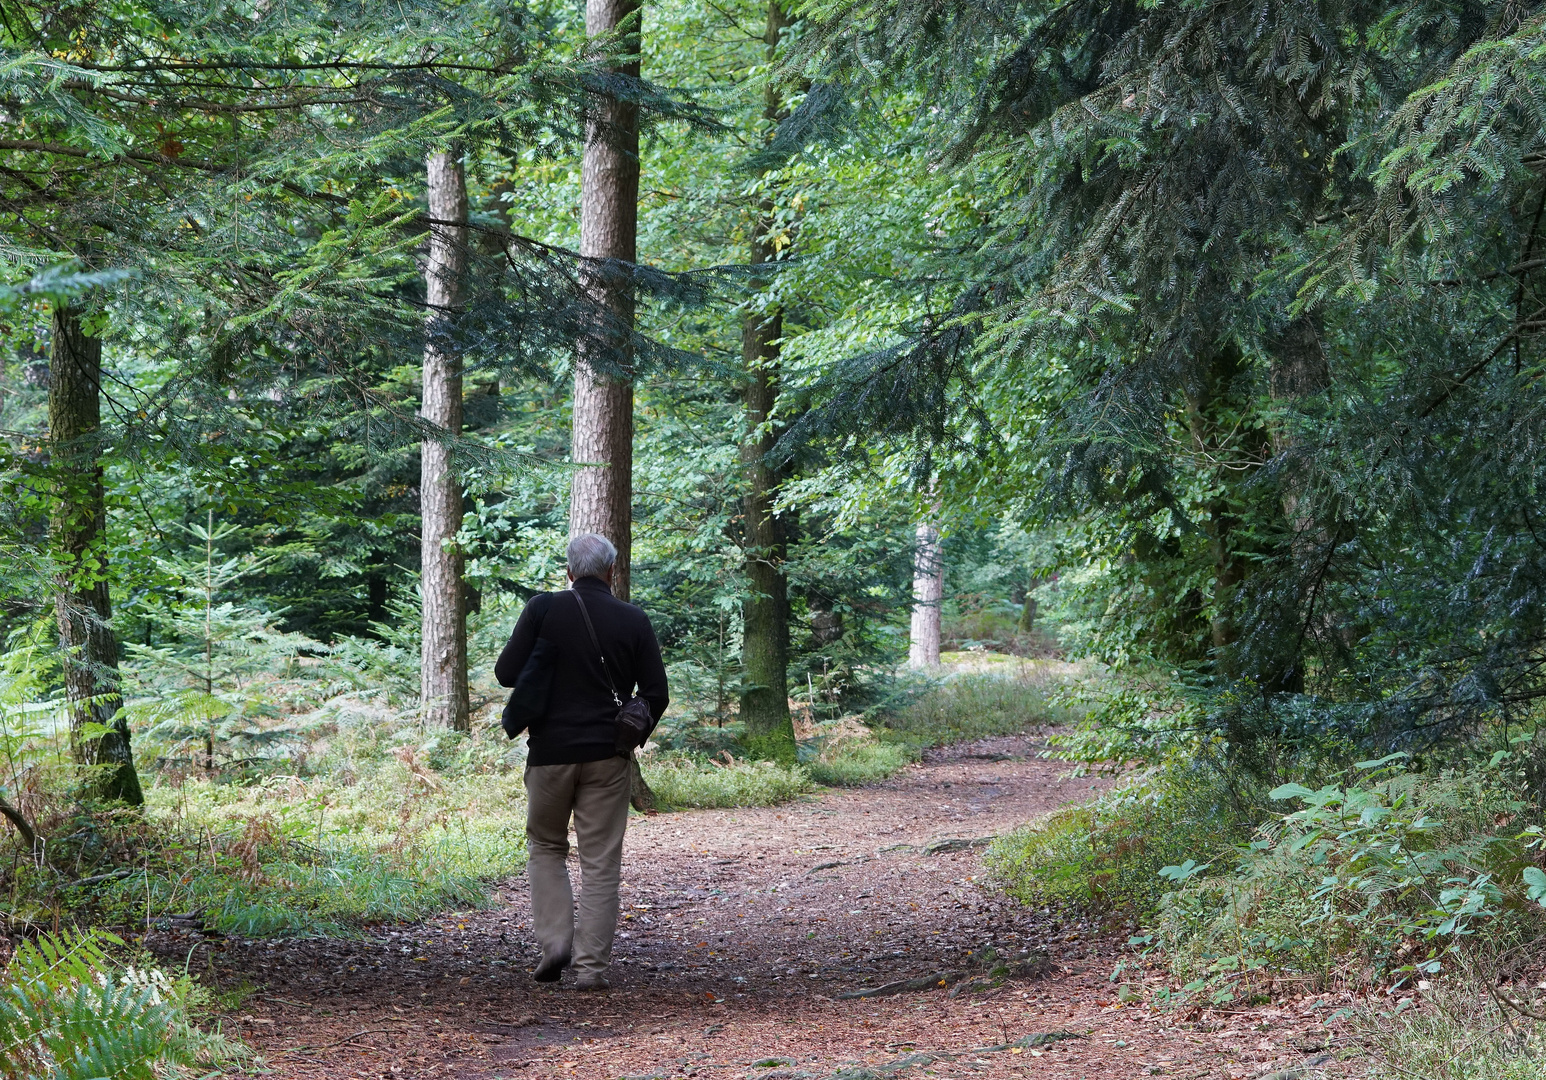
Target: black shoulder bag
(633, 722)
(528, 702)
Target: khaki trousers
(596, 794)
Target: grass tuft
(377, 834)
(1457, 1031)
(682, 783)
(983, 705)
(854, 763)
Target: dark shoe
(550, 970)
(592, 982)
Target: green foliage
(269, 225)
(1254, 331)
(1384, 876)
(391, 839)
(68, 1011)
(1228, 358)
(200, 682)
(332, 891)
(1108, 854)
(859, 749)
(682, 783)
(1375, 881)
(358, 816)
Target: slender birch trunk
(443, 672)
(82, 603)
(928, 592)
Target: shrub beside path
(781, 943)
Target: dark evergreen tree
(99, 735)
(1251, 284)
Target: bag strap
(616, 699)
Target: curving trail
(742, 928)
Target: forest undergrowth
(1415, 882)
(1418, 886)
(329, 816)
(357, 813)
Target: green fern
(69, 1012)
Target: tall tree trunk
(601, 495)
(928, 592)
(443, 670)
(1028, 613)
(78, 524)
(1210, 441)
(765, 612)
(1298, 371)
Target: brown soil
(741, 930)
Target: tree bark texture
(1298, 371)
(82, 603)
(443, 669)
(765, 611)
(764, 705)
(601, 494)
(928, 593)
(1028, 614)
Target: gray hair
(590, 555)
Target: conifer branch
(159, 64)
(218, 107)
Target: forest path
(741, 928)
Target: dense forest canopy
(1235, 306)
(1200, 341)
(1251, 307)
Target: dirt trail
(742, 929)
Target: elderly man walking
(572, 764)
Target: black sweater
(578, 725)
